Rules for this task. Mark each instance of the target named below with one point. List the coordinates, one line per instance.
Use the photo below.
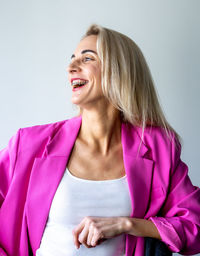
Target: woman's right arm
(8, 157)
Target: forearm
(140, 227)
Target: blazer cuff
(168, 233)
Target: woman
(102, 181)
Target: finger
(82, 238)
(96, 237)
(75, 239)
(76, 231)
(90, 235)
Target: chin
(76, 102)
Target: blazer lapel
(46, 175)
(138, 168)
(139, 171)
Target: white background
(38, 37)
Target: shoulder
(46, 129)
(160, 142)
(42, 130)
(34, 136)
(152, 136)
(156, 135)
(159, 136)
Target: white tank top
(75, 199)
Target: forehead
(88, 42)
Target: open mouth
(78, 83)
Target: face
(84, 74)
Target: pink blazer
(33, 163)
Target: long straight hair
(126, 80)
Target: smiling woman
(85, 68)
(103, 181)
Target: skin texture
(100, 132)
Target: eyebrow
(84, 51)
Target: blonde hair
(126, 80)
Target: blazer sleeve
(8, 157)
(179, 224)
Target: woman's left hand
(94, 230)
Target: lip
(78, 78)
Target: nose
(73, 67)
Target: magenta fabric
(33, 163)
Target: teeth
(78, 82)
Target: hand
(93, 231)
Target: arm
(140, 227)
(93, 230)
(178, 222)
(8, 158)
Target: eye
(85, 59)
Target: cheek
(94, 77)
(98, 76)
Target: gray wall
(38, 37)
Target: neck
(101, 131)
